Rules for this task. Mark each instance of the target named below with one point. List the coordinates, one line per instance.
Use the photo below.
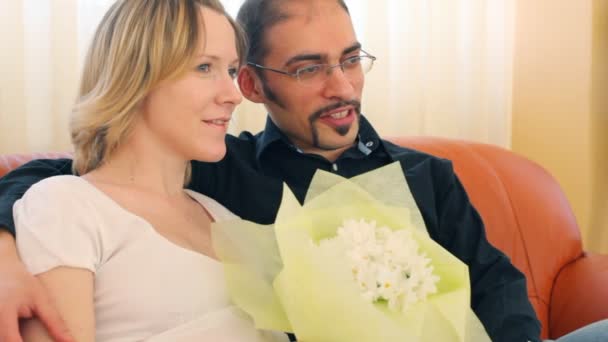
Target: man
(307, 68)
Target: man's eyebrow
(316, 57)
(305, 57)
(352, 48)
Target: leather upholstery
(527, 216)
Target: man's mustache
(317, 114)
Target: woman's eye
(204, 68)
(233, 72)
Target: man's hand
(23, 296)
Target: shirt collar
(368, 140)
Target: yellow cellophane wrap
(286, 281)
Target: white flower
(386, 264)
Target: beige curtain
(444, 68)
(43, 42)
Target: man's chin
(343, 130)
(331, 138)
(338, 142)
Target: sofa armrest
(580, 295)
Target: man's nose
(338, 85)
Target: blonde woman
(123, 249)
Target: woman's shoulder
(56, 226)
(57, 184)
(65, 200)
(57, 190)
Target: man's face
(322, 116)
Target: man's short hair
(256, 17)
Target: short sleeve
(56, 226)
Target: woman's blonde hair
(138, 44)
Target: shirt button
(369, 144)
(334, 167)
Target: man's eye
(233, 72)
(204, 68)
(309, 70)
(352, 61)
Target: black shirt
(249, 182)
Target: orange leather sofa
(527, 216)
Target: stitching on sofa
(483, 159)
(555, 281)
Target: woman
(124, 250)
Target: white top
(146, 287)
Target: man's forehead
(309, 9)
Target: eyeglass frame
(329, 66)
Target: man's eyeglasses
(352, 67)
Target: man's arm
(15, 184)
(498, 289)
(21, 294)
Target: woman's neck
(141, 163)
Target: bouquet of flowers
(354, 263)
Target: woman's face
(189, 116)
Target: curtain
(444, 68)
(44, 42)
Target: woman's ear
(250, 85)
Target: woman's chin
(211, 154)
